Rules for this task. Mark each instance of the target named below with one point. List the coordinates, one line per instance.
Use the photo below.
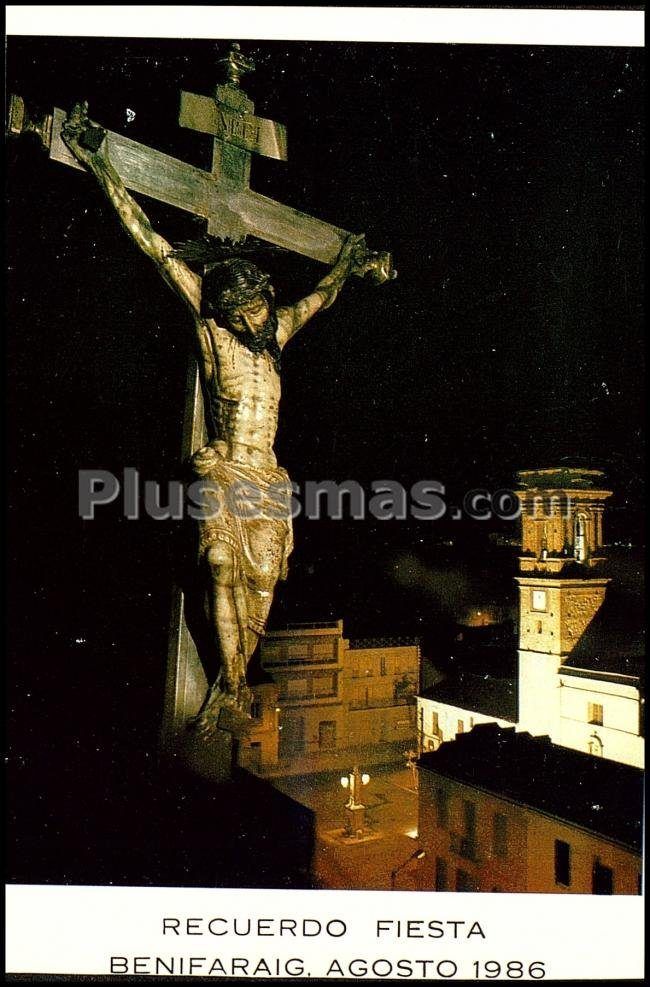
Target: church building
(579, 677)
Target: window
(442, 809)
(595, 745)
(323, 648)
(562, 863)
(464, 882)
(382, 665)
(602, 879)
(327, 735)
(596, 714)
(464, 843)
(460, 727)
(500, 835)
(469, 819)
(296, 688)
(539, 627)
(441, 874)
(256, 710)
(579, 538)
(270, 651)
(324, 684)
(292, 736)
(435, 723)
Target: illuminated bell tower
(561, 585)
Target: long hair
(231, 283)
(230, 280)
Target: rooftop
(561, 478)
(614, 641)
(594, 793)
(309, 629)
(595, 568)
(480, 693)
(383, 642)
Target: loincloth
(248, 508)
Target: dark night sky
(507, 183)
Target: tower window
(580, 538)
(539, 627)
(596, 714)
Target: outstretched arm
(86, 141)
(354, 257)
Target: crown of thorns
(229, 279)
(208, 251)
(235, 282)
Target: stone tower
(561, 582)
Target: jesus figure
(240, 335)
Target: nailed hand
(82, 137)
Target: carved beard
(264, 339)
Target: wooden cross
(232, 209)
(228, 116)
(222, 196)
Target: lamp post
(416, 855)
(411, 759)
(354, 781)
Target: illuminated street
(391, 813)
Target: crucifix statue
(239, 332)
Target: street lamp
(411, 763)
(417, 855)
(354, 781)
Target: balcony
(386, 703)
(316, 628)
(307, 696)
(295, 662)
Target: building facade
(503, 811)
(455, 707)
(601, 712)
(328, 699)
(379, 686)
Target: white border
(442, 25)
(44, 924)
(76, 930)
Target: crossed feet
(235, 707)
